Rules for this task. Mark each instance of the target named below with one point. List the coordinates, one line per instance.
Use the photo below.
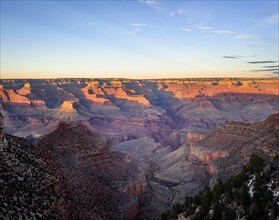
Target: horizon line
(175, 78)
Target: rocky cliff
(29, 187)
(219, 155)
(232, 145)
(100, 184)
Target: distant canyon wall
(127, 109)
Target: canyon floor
(140, 146)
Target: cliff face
(29, 187)
(236, 142)
(219, 155)
(99, 184)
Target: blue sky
(139, 39)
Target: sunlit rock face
(155, 108)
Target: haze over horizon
(139, 39)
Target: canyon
(130, 149)
(128, 109)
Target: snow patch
(251, 186)
(275, 194)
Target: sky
(139, 39)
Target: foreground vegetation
(252, 194)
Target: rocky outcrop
(13, 97)
(239, 141)
(99, 184)
(208, 87)
(25, 90)
(29, 187)
(65, 111)
(221, 154)
(206, 156)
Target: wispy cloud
(223, 32)
(186, 29)
(246, 37)
(232, 57)
(260, 62)
(256, 45)
(189, 14)
(266, 70)
(151, 3)
(137, 27)
(264, 22)
(276, 66)
(269, 21)
(269, 39)
(276, 72)
(141, 25)
(203, 28)
(177, 12)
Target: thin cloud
(276, 72)
(269, 39)
(269, 21)
(137, 27)
(266, 70)
(246, 37)
(260, 62)
(141, 25)
(177, 12)
(189, 13)
(231, 57)
(276, 66)
(256, 45)
(203, 28)
(151, 3)
(223, 32)
(186, 29)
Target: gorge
(130, 149)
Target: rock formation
(29, 187)
(236, 142)
(143, 144)
(99, 184)
(191, 105)
(219, 155)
